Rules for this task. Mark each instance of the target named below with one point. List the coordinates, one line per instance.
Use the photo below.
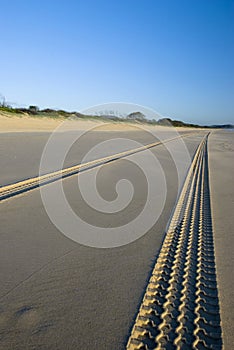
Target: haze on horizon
(175, 57)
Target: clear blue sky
(174, 56)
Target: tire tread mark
(17, 188)
(180, 308)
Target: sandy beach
(221, 155)
(11, 123)
(57, 294)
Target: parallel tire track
(180, 308)
(29, 184)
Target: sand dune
(12, 123)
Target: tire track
(180, 308)
(29, 184)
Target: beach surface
(10, 122)
(221, 161)
(58, 294)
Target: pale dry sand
(11, 123)
(221, 164)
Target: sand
(221, 162)
(57, 294)
(11, 123)
(22, 141)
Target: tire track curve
(180, 308)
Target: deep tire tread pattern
(180, 308)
